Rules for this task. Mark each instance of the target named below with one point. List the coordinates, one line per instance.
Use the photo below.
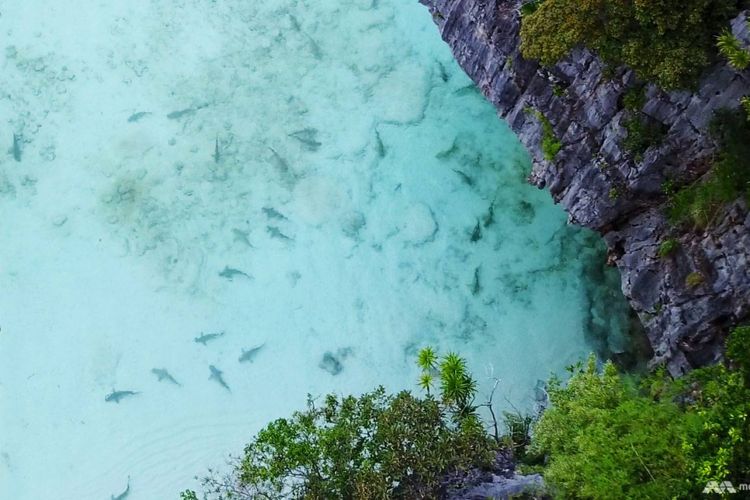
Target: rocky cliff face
(605, 188)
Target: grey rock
(685, 326)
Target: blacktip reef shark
(249, 355)
(307, 137)
(162, 374)
(275, 232)
(217, 153)
(230, 273)
(124, 494)
(16, 147)
(116, 396)
(216, 374)
(204, 338)
(137, 116)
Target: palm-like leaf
(427, 359)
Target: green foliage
(604, 440)
(642, 134)
(718, 443)
(517, 432)
(376, 446)
(457, 386)
(614, 193)
(745, 102)
(188, 495)
(530, 7)
(551, 145)
(668, 247)
(607, 437)
(634, 99)
(731, 48)
(729, 178)
(694, 279)
(668, 42)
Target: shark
(476, 285)
(17, 147)
(242, 236)
(308, 137)
(272, 213)
(204, 338)
(490, 218)
(380, 145)
(288, 176)
(124, 494)
(230, 273)
(476, 235)
(217, 154)
(464, 177)
(295, 23)
(249, 355)
(137, 116)
(216, 375)
(162, 374)
(276, 233)
(116, 396)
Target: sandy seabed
(315, 178)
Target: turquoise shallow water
(316, 178)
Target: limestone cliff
(605, 188)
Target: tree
(375, 446)
(668, 42)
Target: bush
(668, 42)
(745, 102)
(718, 442)
(642, 134)
(730, 47)
(376, 446)
(634, 99)
(607, 436)
(530, 7)
(694, 279)
(729, 178)
(668, 247)
(551, 145)
(605, 440)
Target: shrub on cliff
(607, 437)
(605, 440)
(729, 178)
(668, 42)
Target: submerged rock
(332, 362)
(685, 326)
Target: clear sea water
(315, 177)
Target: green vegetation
(668, 42)
(731, 48)
(551, 145)
(668, 247)
(643, 133)
(634, 99)
(608, 436)
(605, 435)
(729, 178)
(530, 7)
(745, 102)
(694, 279)
(375, 446)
